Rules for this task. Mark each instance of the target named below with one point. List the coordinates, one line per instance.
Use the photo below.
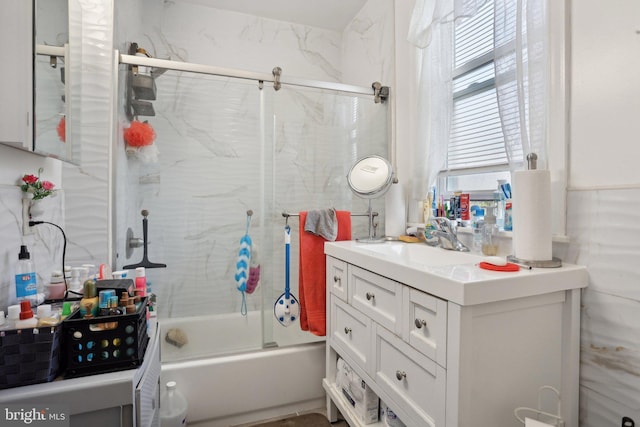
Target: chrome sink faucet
(446, 234)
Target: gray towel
(322, 223)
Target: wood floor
(309, 419)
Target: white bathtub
(249, 385)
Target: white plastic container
(173, 407)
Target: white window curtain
(521, 81)
(431, 32)
(521, 68)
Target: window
(476, 155)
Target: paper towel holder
(550, 263)
(532, 164)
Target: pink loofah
(254, 279)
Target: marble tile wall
(214, 160)
(605, 237)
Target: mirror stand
(369, 178)
(372, 235)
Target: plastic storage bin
(30, 358)
(105, 343)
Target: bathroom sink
(451, 275)
(418, 253)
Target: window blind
(477, 139)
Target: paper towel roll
(395, 213)
(532, 215)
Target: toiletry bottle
(173, 407)
(26, 286)
(46, 315)
(141, 280)
(75, 285)
(56, 287)
(66, 310)
(476, 226)
(13, 314)
(465, 212)
(508, 215)
(141, 286)
(498, 199)
(89, 303)
(26, 316)
(490, 234)
(103, 301)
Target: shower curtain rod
(247, 75)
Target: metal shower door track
(240, 74)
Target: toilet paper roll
(532, 215)
(395, 212)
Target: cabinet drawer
(425, 325)
(410, 378)
(337, 278)
(376, 296)
(351, 333)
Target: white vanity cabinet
(446, 344)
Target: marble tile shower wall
(212, 167)
(605, 236)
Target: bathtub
(242, 382)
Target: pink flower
(39, 189)
(30, 179)
(48, 185)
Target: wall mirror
(35, 105)
(50, 91)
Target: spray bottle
(26, 286)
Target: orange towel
(312, 280)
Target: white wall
(45, 243)
(603, 204)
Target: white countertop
(454, 276)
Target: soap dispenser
(490, 234)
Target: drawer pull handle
(420, 323)
(400, 375)
(337, 279)
(370, 296)
(347, 330)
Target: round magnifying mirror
(370, 177)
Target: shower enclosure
(225, 145)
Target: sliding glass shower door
(224, 146)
